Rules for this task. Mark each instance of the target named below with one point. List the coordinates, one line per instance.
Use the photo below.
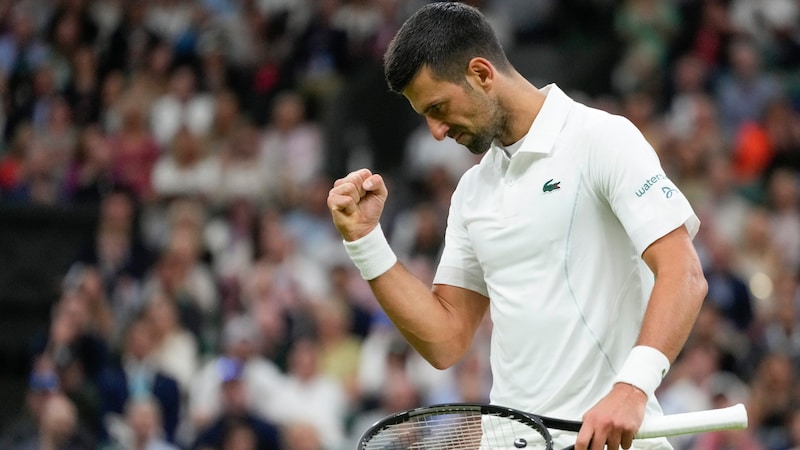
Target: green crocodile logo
(550, 186)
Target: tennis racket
(474, 427)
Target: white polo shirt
(554, 237)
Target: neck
(522, 102)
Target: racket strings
(457, 431)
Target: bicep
(467, 306)
(673, 251)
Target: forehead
(425, 90)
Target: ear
(481, 72)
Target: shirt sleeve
(626, 171)
(458, 265)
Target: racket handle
(730, 418)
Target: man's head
(444, 37)
(445, 60)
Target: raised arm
(439, 322)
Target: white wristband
(371, 254)
(644, 368)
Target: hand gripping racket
(479, 427)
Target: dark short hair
(444, 36)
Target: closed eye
(436, 109)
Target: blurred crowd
(212, 307)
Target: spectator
(228, 120)
(277, 251)
(58, 135)
(260, 377)
(176, 351)
(689, 78)
(782, 198)
(339, 351)
(301, 435)
(181, 274)
(418, 233)
(134, 376)
(646, 28)
(83, 91)
(43, 382)
(781, 125)
(757, 256)
(171, 20)
(291, 149)
(746, 89)
(399, 395)
(58, 428)
(41, 182)
(771, 400)
(142, 428)
(241, 172)
(726, 290)
(181, 107)
(134, 151)
(310, 229)
(116, 249)
(76, 354)
(238, 425)
(779, 330)
(310, 396)
(186, 170)
(22, 53)
(12, 162)
(89, 178)
(129, 41)
(724, 209)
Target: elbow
(698, 286)
(440, 364)
(443, 356)
(441, 361)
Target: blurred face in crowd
(240, 437)
(143, 418)
(288, 112)
(139, 342)
(303, 359)
(59, 419)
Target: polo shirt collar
(548, 123)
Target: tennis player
(568, 231)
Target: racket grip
(730, 418)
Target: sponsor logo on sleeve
(649, 183)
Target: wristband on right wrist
(371, 254)
(644, 368)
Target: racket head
(458, 426)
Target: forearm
(438, 329)
(674, 304)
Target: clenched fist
(356, 203)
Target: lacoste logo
(550, 186)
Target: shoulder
(605, 137)
(595, 126)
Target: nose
(438, 128)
